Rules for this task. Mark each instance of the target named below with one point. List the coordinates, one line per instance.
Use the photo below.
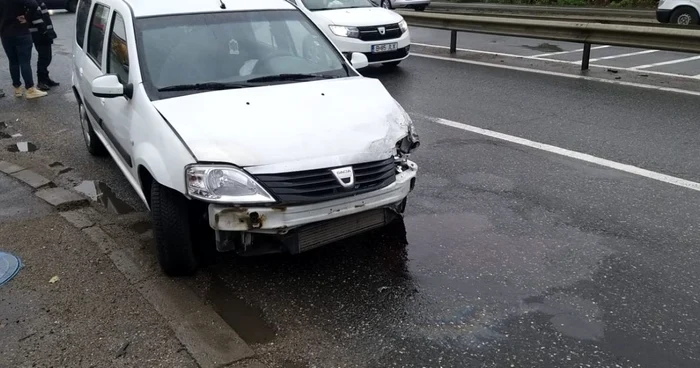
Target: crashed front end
(298, 211)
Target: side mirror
(359, 60)
(107, 86)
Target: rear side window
(81, 19)
(96, 33)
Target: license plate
(386, 47)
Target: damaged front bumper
(299, 228)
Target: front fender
(169, 173)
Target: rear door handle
(102, 101)
(81, 71)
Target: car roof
(149, 8)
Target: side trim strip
(122, 151)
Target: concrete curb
(205, 335)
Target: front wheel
(685, 16)
(386, 4)
(71, 6)
(420, 8)
(171, 227)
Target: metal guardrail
(657, 38)
(538, 9)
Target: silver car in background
(418, 5)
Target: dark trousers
(19, 54)
(43, 62)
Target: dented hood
(289, 127)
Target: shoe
(51, 83)
(19, 91)
(43, 86)
(2, 93)
(35, 93)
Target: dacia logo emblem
(345, 176)
(381, 30)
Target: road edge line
(630, 169)
(559, 74)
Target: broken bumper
(280, 220)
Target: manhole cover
(9, 267)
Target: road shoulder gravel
(90, 292)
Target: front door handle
(102, 101)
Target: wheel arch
(688, 5)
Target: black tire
(386, 4)
(685, 15)
(420, 8)
(71, 6)
(171, 227)
(92, 141)
(392, 64)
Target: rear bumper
(663, 16)
(281, 220)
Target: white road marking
(568, 52)
(666, 62)
(557, 74)
(571, 154)
(515, 56)
(624, 55)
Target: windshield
(336, 4)
(233, 49)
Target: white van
(682, 12)
(360, 26)
(237, 123)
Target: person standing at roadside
(15, 19)
(42, 43)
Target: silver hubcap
(84, 125)
(684, 19)
(385, 4)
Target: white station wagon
(239, 124)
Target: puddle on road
(22, 147)
(101, 192)
(247, 321)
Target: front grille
(371, 33)
(321, 185)
(383, 56)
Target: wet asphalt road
(507, 256)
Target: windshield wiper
(209, 86)
(289, 77)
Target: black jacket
(49, 35)
(10, 26)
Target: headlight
(224, 184)
(344, 31)
(403, 26)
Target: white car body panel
(673, 4)
(309, 131)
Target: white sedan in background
(360, 26)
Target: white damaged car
(239, 125)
